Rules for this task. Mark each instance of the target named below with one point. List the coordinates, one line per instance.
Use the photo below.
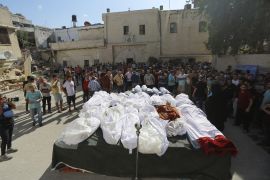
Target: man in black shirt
(200, 93)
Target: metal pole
(138, 126)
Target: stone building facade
(134, 36)
(9, 47)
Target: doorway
(129, 61)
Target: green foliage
(237, 26)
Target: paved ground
(32, 161)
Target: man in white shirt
(235, 80)
(70, 92)
(128, 79)
(149, 79)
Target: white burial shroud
(117, 115)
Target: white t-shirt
(70, 87)
(235, 82)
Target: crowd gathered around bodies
(240, 95)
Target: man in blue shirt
(6, 128)
(266, 96)
(94, 86)
(34, 97)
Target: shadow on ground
(23, 122)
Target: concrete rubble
(11, 79)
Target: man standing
(128, 76)
(34, 97)
(149, 79)
(85, 88)
(94, 86)
(244, 103)
(119, 81)
(171, 82)
(78, 73)
(200, 93)
(45, 89)
(57, 93)
(69, 85)
(6, 128)
(106, 82)
(266, 95)
(24, 90)
(30, 82)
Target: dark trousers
(48, 100)
(171, 89)
(200, 101)
(6, 136)
(91, 93)
(266, 128)
(71, 99)
(26, 104)
(243, 117)
(128, 85)
(77, 76)
(120, 88)
(85, 96)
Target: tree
(237, 26)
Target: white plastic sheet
(112, 123)
(175, 128)
(79, 130)
(163, 90)
(168, 98)
(129, 136)
(157, 100)
(153, 138)
(197, 125)
(182, 99)
(117, 115)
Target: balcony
(83, 44)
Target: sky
(57, 13)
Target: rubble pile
(11, 79)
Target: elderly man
(30, 82)
(34, 97)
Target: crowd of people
(244, 96)
(240, 95)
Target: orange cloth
(167, 112)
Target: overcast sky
(57, 13)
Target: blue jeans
(36, 115)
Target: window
(65, 63)
(126, 30)
(96, 61)
(86, 63)
(59, 39)
(4, 36)
(142, 30)
(173, 27)
(203, 26)
(129, 60)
